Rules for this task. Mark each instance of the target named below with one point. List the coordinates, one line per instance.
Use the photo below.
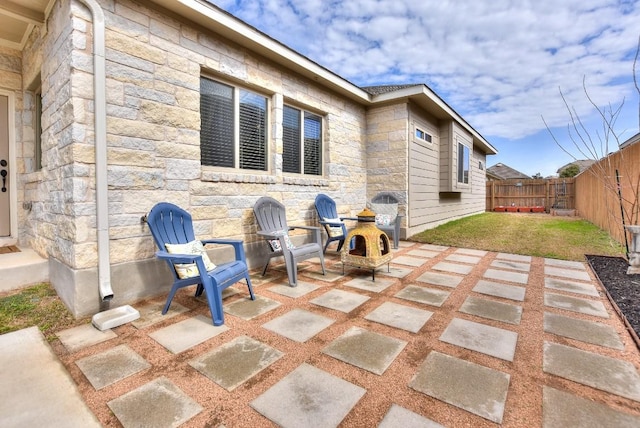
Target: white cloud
(499, 63)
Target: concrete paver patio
(441, 339)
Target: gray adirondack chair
(385, 205)
(272, 219)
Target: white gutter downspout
(100, 117)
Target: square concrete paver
(370, 351)
(441, 279)
(568, 264)
(80, 337)
(594, 370)
(514, 257)
(462, 258)
(562, 409)
(511, 292)
(429, 296)
(111, 366)
(235, 362)
(188, 333)
(492, 310)
(576, 304)
(505, 275)
(398, 416)
(308, 397)
(469, 386)
(298, 325)
(423, 253)
(471, 252)
(331, 275)
(366, 283)
(453, 267)
(396, 272)
(483, 338)
(158, 403)
(585, 331)
(571, 286)
(303, 288)
(409, 261)
(248, 309)
(340, 300)
(151, 313)
(400, 316)
(580, 275)
(510, 264)
(432, 247)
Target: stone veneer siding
(154, 64)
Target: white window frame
(462, 161)
(423, 135)
(302, 113)
(237, 92)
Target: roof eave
(230, 27)
(425, 97)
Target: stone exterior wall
(154, 64)
(387, 151)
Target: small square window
(420, 134)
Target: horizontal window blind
(253, 131)
(312, 144)
(291, 140)
(217, 124)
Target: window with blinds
(302, 142)
(233, 130)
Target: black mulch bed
(624, 289)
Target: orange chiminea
(370, 247)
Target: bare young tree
(622, 179)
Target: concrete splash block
(114, 317)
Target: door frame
(13, 189)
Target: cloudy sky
(501, 64)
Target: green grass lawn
(567, 238)
(36, 305)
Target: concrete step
(21, 269)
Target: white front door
(5, 209)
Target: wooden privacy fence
(522, 195)
(597, 198)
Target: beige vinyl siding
(429, 205)
(423, 172)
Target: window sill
(230, 177)
(305, 181)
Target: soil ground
(623, 289)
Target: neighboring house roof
(633, 140)
(384, 89)
(582, 164)
(505, 172)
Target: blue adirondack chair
(329, 219)
(170, 224)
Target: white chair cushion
(385, 213)
(189, 270)
(275, 243)
(332, 229)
